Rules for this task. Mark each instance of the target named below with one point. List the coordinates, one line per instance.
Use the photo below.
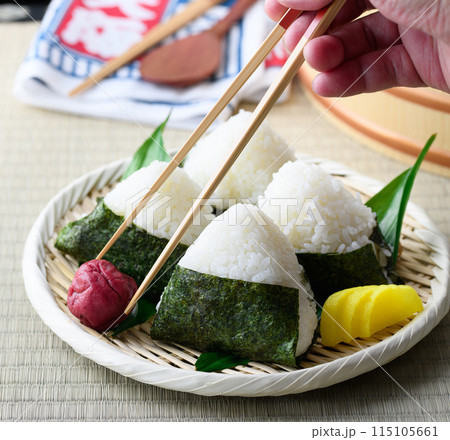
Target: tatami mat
(42, 378)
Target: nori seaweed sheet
(332, 272)
(133, 253)
(211, 313)
(383, 247)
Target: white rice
(244, 244)
(249, 176)
(315, 211)
(166, 209)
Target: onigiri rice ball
(315, 211)
(263, 155)
(166, 209)
(243, 243)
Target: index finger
(305, 5)
(274, 9)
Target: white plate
(239, 384)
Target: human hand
(405, 43)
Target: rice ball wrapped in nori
(139, 246)
(166, 209)
(264, 154)
(239, 289)
(315, 211)
(329, 227)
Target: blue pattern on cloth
(52, 67)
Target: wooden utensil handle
(235, 13)
(189, 13)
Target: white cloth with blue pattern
(51, 69)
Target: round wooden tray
(396, 122)
(424, 264)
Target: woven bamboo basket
(423, 264)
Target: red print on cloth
(107, 28)
(277, 57)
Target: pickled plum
(99, 294)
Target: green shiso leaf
(390, 203)
(329, 273)
(133, 253)
(152, 149)
(216, 361)
(215, 314)
(143, 310)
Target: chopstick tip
(129, 307)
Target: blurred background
(10, 11)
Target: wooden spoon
(192, 59)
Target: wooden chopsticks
(318, 27)
(155, 35)
(268, 44)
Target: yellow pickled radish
(364, 310)
(386, 306)
(350, 317)
(359, 300)
(331, 317)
